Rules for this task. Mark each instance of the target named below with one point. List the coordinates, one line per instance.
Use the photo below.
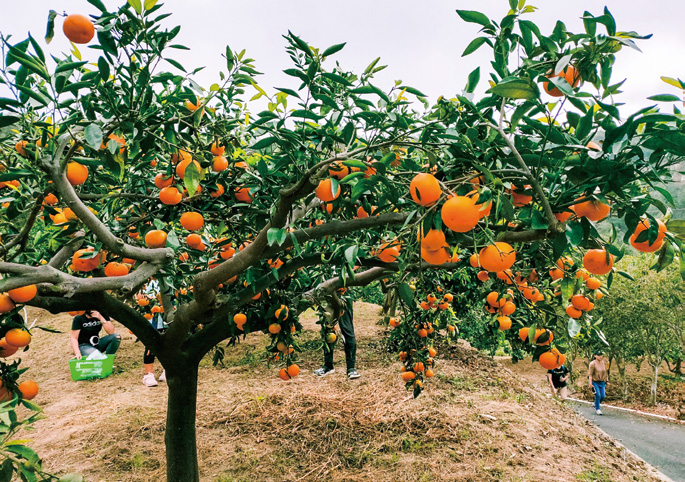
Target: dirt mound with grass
(475, 421)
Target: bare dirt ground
(477, 420)
(670, 392)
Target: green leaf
(7, 120)
(192, 178)
(301, 44)
(289, 92)
(665, 98)
(336, 78)
(150, 3)
(674, 82)
(518, 88)
(98, 4)
(276, 236)
(333, 49)
(176, 64)
(574, 233)
(539, 221)
(264, 143)
(137, 6)
(625, 275)
(103, 67)
(406, 294)
(93, 135)
(474, 45)
(472, 16)
(351, 255)
(230, 61)
(472, 83)
(6, 471)
(50, 31)
(610, 109)
(412, 90)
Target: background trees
(246, 218)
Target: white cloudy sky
(420, 41)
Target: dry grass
(476, 420)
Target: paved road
(659, 442)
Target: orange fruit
(593, 283)
(569, 73)
(183, 165)
(433, 240)
(423, 333)
(23, 294)
(460, 214)
(6, 349)
(439, 256)
(162, 180)
(50, 199)
(573, 312)
(432, 351)
(521, 199)
(508, 308)
(549, 360)
(170, 196)
(28, 389)
(280, 310)
(194, 241)
(18, 337)
(429, 373)
(220, 163)
(473, 260)
(181, 155)
(407, 376)
(599, 295)
(563, 217)
(556, 273)
(494, 299)
(324, 191)
(361, 212)
(78, 28)
(580, 302)
(389, 252)
(19, 147)
(497, 257)
(418, 367)
(293, 370)
(218, 191)
(338, 170)
(274, 328)
(593, 210)
(192, 221)
(644, 246)
(76, 173)
(155, 238)
(116, 269)
(242, 194)
(217, 149)
(483, 275)
(85, 264)
(425, 189)
(504, 323)
(283, 374)
(598, 261)
(6, 303)
(523, 333)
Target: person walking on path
(346, 322)
(557, 381)
(598, 378)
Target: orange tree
(118, 172)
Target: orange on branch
(162, 180)
(18, 337)
(598, 261)
(170, 196)
(23, 294)
(425, 189)
(592, 210)
(192, 221)
(155, 238)
(76, 173)
(6, 303)
(28, 389)
(324, 191)
(78, 28)
(116, 269)
(220, 163)
(460, 214)
(497, 257)
(645, 246)
(570, 74)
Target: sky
(420, 41)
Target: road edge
(639, 412)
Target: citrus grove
(124, 170)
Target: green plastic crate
(86, 369)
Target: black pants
(347, 331)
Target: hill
(477, 420)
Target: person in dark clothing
(85, 335)
(346, 324)
(149, 357)
(557, 381)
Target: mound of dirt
(476, 420)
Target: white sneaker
(162, 377)
(598, 412)
(149, 380)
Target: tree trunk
(624, 381)
(652, 390)
(180, 437)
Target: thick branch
(67, 251)
(522, 236)
(22, 237)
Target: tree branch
(23, 235)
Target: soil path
(657, 441)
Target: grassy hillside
(476, 420)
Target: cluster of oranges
(417, 364)
(432, 302)
(281, 331)
(20, 295)
(13, 340)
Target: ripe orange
(23, 294)
(217, 149)
(460, 214)
(80, 263)
(407, 376)
(274, 328)
(6, 349)
(573, 312)
(293, 371)
(240, 319)
(521, 200)
(78, 28)
(425, 189)
(324, 191)
(361, 212)
(181, 155)
(19, 147)
(6, 303)
(170, 196)
(18, 337)
(494, 299)
(183, 165)
(242, 194)
(280, 310)
(508, 308)
(549, 360)
(580, 302)
(283, 374)
(593, 210)
(483, 275)
(194, 241)
(338, 170)
(76, 173)
(28, 389)
(155, 238)
(598, 261)
(433, 240)
(593, 283)
(429, 373)
(523, 333)
(418, 367)
(389, 252)
(569, 73)
(556, 273)
(504, 323)
(473, 260)
(423, 333)
(192, 221)
(218, 191)
(220, 163)
(439, 256)
(116, 269)
(497, 257)
(50, 199)
(162, 180)
(644, 246)
(563, 217)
